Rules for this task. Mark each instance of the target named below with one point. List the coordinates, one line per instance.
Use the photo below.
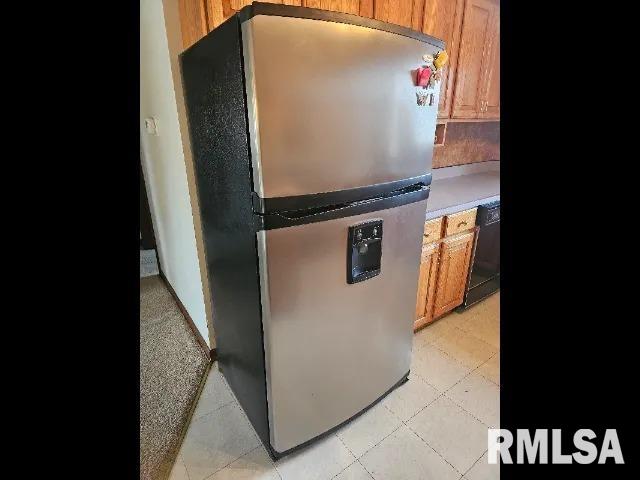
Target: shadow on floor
(172, 367)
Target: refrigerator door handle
(414, 193)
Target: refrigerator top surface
(333, 106)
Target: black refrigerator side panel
(213, 83)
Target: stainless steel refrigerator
(312, 154)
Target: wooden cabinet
(198, 17)
(193, 21)
(444, 266)
(399, 12)
(427, 284)
(491, 92)
(455, 257)
(344, 6)
(442, 19)
(470, 85)
(460, 222)
(478, 71)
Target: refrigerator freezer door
(333, 348)
(333, 106)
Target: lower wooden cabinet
(444, 269)
(427, 284)
(455, 257)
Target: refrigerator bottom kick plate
(278, 455)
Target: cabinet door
(474, 45)
(491, 81)
(344, 6)
(394, 11)
(193, 21)
(455, 256)
(426, 285)
(442, 19)
(219, 10)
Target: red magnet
(422, 77)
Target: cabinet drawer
(460, 222)
(432, 230)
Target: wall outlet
(151, 124)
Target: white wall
(169, 178)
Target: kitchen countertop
(458, 188)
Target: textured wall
(164, 167)
(468, 143)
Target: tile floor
(432, 427)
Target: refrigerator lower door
(332, 348)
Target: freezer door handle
(414, 193)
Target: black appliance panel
(364, 251)
(486, 262)
(484, 277)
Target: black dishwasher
(484, 277)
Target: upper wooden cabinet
(478, 68)
(442, 19)
(399, 12)
(491, 90)
(344, 6)
(470, 86)
(193, 21)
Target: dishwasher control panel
(488, 213)
(364, 251)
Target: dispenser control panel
(364, 251)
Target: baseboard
(196, 332)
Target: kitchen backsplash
(469, 142)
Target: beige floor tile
(410, 397)
(368, 429)
(478, 396)
(437, 368)
(482, 470)
(321, 460)
(215, 394)
(355, 471)
(465, 348)
(491, 369)
(179, 470)
(452, 432)
(432, 331)
(492, 302)
(255, 465)
(404, 456)
(215, 440)
(460, 318)
(485, 325)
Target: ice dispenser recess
(364, 251)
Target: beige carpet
(172, 367)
